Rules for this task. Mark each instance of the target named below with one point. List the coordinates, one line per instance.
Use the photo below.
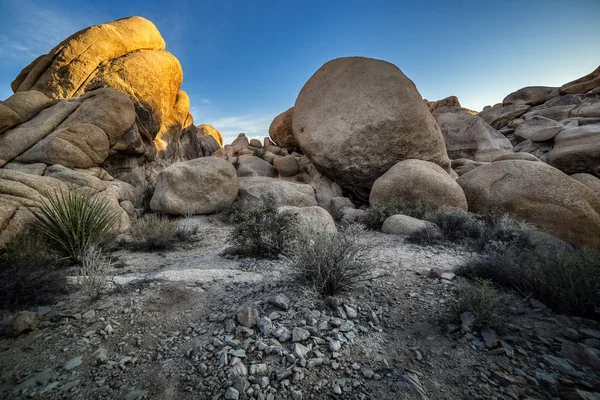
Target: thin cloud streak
(36, 30)
(254, 126)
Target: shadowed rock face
(356, 117)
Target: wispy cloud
(205, 101)
(36, 29)
(254, 126)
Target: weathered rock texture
(417, 180)
(469, 136)
(356, 117)
(127, 55)
(560, 126)
(539, 194)
(201, 186)
(107, 98)
(281, 131)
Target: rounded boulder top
(357, 116)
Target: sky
(244, 61)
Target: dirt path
(171, 333)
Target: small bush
(480, 298)
(259, 229)
(329, 262)
(457, 225)
(29, 274)
(74, 222)
(93, 273)
(258, 153)
(186, 229)
(153, 232)
(428, 236)
(566, 280)
(377, 215)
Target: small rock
(23, 322)
(232, 394)
(300, 350)
(503, 379)
(88, 315)
(258, 369)
(296, 395)
(468, 319)
(247, 316)
(265, 325)
(335, 345)
(347, 326)
(350, 312)
(537, 304)
(300, 334)
(490, 338)
(101, 355)
(280, 301)
(336, 389)
(283, 334)
(73, 363)
(448, 276)
(136, 394)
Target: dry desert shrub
(329, 262)
(93, 272)
(153, 232)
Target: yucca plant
(74, 222)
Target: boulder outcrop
(356, 117)
(536, 193)
(200, 186)
(469, 136)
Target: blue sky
(244, 62)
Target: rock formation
(127, 55)
(539, 194)
(356, 117)
(103, 104)
(560, 126)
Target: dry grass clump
(565, 279)
(480, 298)
(153, 232)
(93, 272)
(329, 262)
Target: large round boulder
(200, 186)
(356, 117)
(417, 180)
(281, 131)
(539, 194)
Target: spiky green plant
(74, 221)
